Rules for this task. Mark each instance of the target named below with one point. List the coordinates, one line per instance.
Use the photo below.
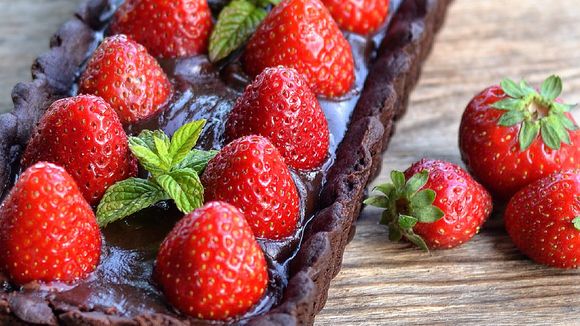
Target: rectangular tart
(393, 70)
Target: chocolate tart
(120, 292)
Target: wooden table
(486, 281)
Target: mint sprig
(537, 113)
(235, 24)
(406, 204)
(174, 167)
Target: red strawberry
(251, 174)
(125, 75)
(280, 106)
(512, 135)
(49, 232)
(543, 219)
(359, 16)
(434, 204)
(301, 34)
(83, 134)
(168, 29)
(210, 265)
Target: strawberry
(125, 75)
(279, 105)
(434, 204)
(543, 219)
(83, 134)
(512, 135)
(301, 34)
(359, 16)
(49, 232)
(210, 266)
(251, 174)
(168, 29)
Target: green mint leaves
(406, 204)
(235, 24)
(174, 167)
(537, 113)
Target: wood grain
(483, 282)
(486, 281)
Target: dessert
(434, 204)
(511, 135)
(119, 290)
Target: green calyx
(174, 168)
(406, 204)
(537, 113)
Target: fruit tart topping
(49, 232)
(168, 29)
(127, 77)
(280, 106)
(434, 204)
(84, 135)
(362, 17)
(543, 219)
(512, 135)
(210, 265)
(250, 174)
(174, 167)
(301, 34)
(235, 24)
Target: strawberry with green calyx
(434, 204)
(174, 167)
(512, 135)
(405, 206)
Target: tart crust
(383, 101)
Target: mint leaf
(147, 157)
(235, 24)
(162, 148)
(147, 138)
(551, 88)
(528, 133)
(196, 160)
(184, 187)
(511, 88)
(184, 139)
(127, 197)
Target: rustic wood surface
(486, 281)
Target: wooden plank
(25, 30)
(486, 281)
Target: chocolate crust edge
(384, 99)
